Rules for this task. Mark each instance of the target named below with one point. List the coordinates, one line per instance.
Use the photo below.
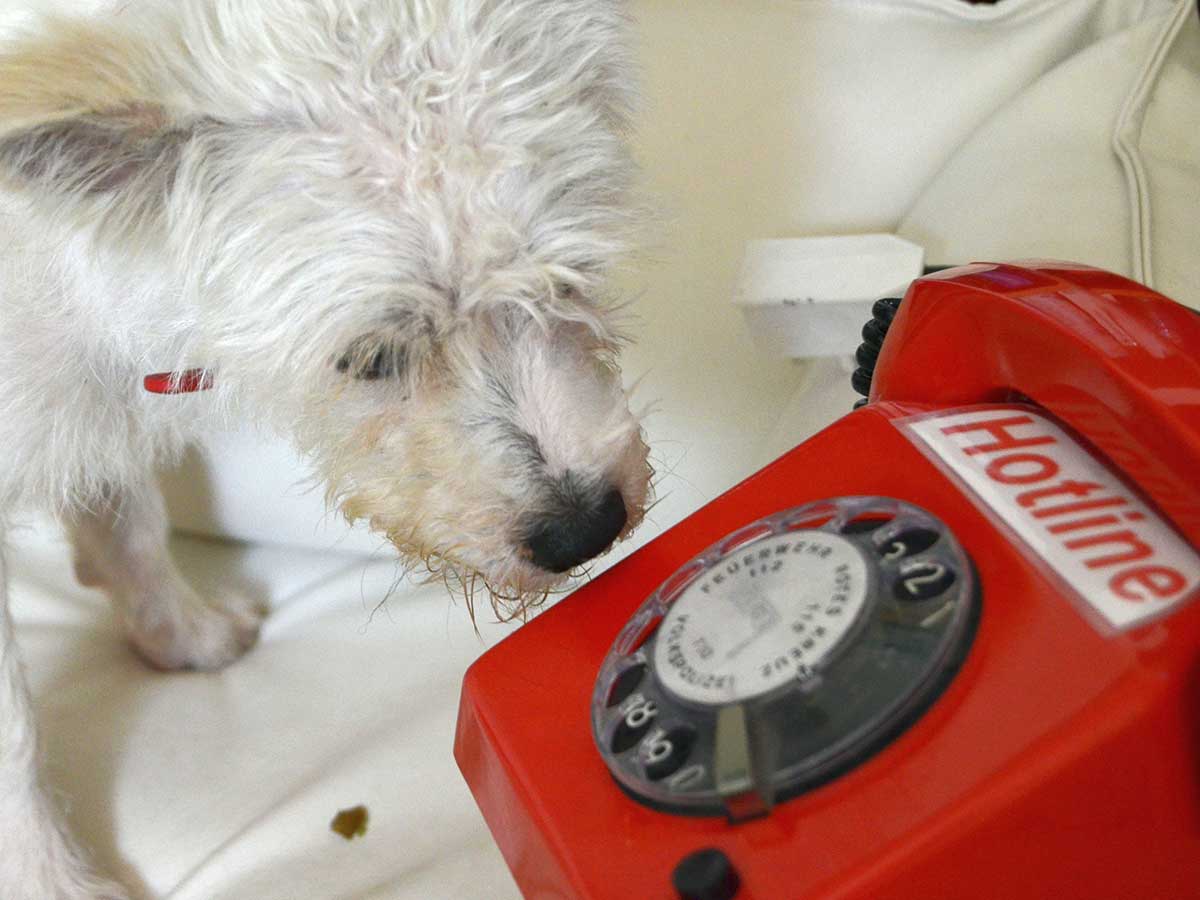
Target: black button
(706, 875)
(909, 542)
(625, 684)
(668, 754)
(923, 580)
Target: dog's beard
(510, 601)
(470, 546)
(513, 593)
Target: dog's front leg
(120, 546)
(37, 859)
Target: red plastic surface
(1061, 762)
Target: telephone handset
(1109, 357)
(943, 648)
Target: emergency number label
(1077, 516)
(762, 616)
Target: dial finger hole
(636, 633)
(645, 634)
(908, 542)
(663, 753)
(867, 522)
(636, 720)
(678, 582)
(923, 581)
(625, 684)
(743, 537)
(814, 516)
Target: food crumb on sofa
(351, 823)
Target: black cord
(873, 335)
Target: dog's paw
(178, 629)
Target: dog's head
(502, 446)
(389, 225)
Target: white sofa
(763, 118)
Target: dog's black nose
(579, 533)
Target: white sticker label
(764, 615)
(1117, 553)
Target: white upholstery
(1098, 161)
(763, 119)
(222, 787)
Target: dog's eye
(372, 365)
(566, 291)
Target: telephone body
(944, 648)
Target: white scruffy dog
(381, 226)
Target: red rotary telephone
(942, 649)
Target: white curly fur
(386, 227)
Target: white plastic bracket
(810, 297)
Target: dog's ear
(97, 152)
(394, 350)
(79, 114)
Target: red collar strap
(186, 382)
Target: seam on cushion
(1012, 97)
(1126, 141)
